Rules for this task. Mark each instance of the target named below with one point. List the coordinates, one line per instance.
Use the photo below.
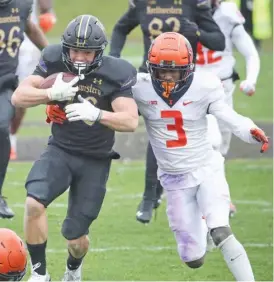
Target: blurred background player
(42, 15)
(15, 20)
(257, 14)
(193, 19)
(222, 63)
(13, 256)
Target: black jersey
(12, 26)
(114, 78)
(158, 16)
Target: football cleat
(145, 210)
(5, 211)
(35, 277)
(73, 275)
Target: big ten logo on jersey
(11, 35)
(206, 56)
(164, 17)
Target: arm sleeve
(210, 34)
(120, 31)
(238, 124)
(244, 44)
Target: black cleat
(5, 211)
(145, 210)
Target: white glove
(82, 111)
(61, 90)
(247, 87)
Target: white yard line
(139, 195)
(150, 248)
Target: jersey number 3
(176, 126)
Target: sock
(236, 259)
(38, 257)
(13, 142)
(4, 155)
(73, 263)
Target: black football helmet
(85, 32)
(5, 2)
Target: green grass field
(123, 249)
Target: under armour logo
(97, 81)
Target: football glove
(55, 114)
(260, 136)
(61, 90)
(47, 21)
(82, 111)
(247, 87)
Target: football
(49, 81)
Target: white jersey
(178, 134)
(227, 16)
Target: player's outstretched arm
(241, 126)
(244, 44)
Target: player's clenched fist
(61, 90)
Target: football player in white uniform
(29, 56)
(174, 102)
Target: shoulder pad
(52, 53)
(142, 76)
(205, 84)
(230, 11)
(118, 71)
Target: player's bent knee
(196, 263)
(74, 228)
(219, 234)
(33, 208)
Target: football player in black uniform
(14, 21)
(193, 19)
(79, 153)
